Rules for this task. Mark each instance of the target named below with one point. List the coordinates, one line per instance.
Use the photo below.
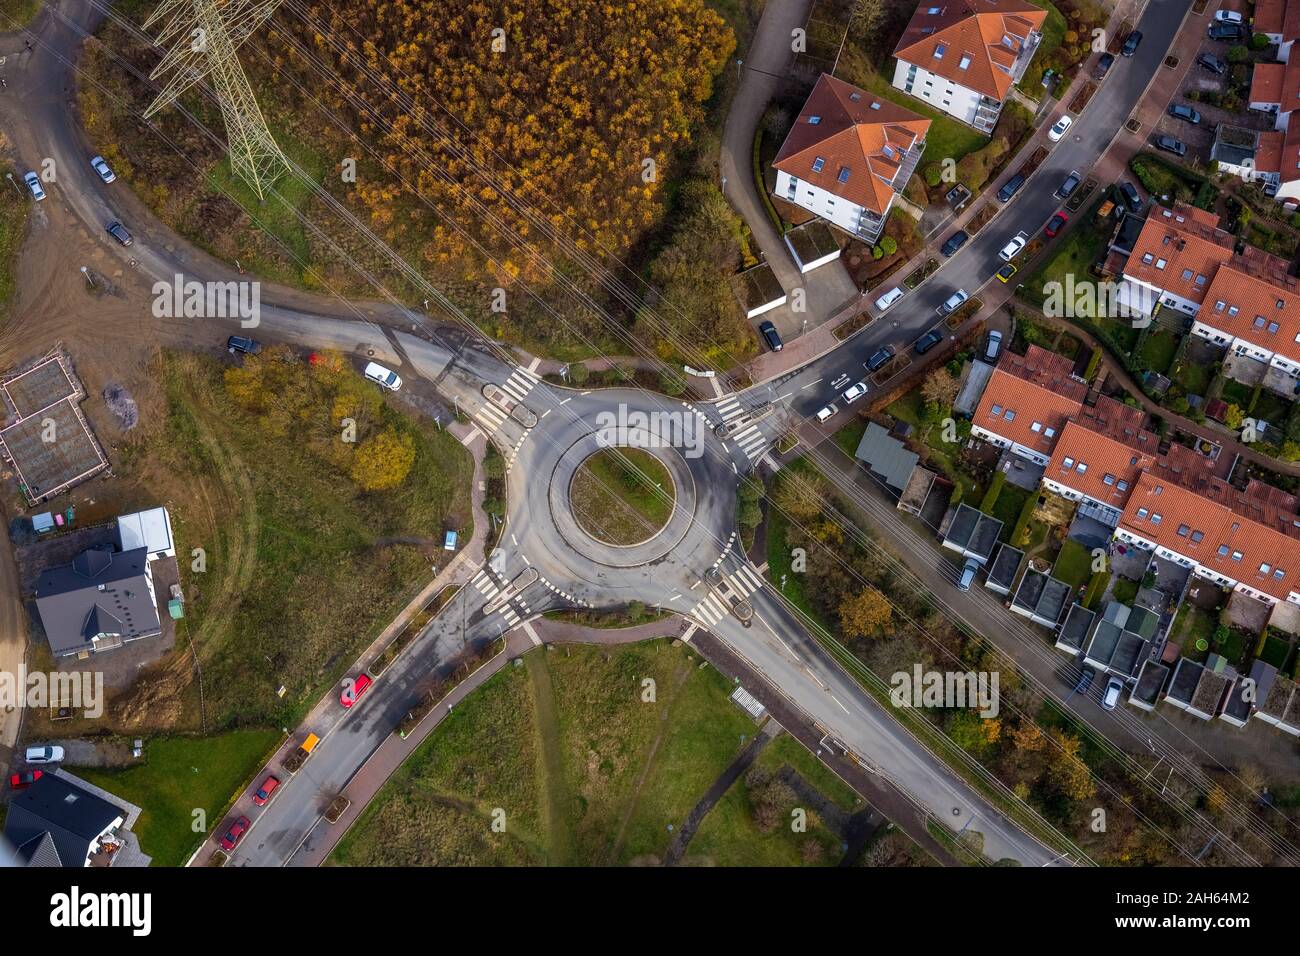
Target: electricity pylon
(206, 34)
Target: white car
(1227, 16)
(825, 413)
(1111, 697)
(889, 298)
(854, 392)
(34, 184)
(1058, 129)
(953, 302)
(1012, 248)
(101, 167)
(384, 376)
(44, 753)
(994, 346)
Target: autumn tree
(865, 614)
(800, 496)
(939, 388)
(383, 460)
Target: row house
(1253, 316)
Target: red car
(235, 833)
(21, 781)
(263, 793)
(1054, 225)
(352, 692)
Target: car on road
(1011, 187)
(1059, 128)
(968, 574)
(1070, 185)
(34, 185)
(927, 341)
(384, 376)
(770, 336)
(262, 796)
(1131, 197)
(1085, 680)
(1209, 61)
(1103, 66)
(1185, 113)
(826, 412)
(1131, 43)
(953, 302)
(955, 242)
(242, 343)
(889, 298)
(44, 753)
(854, 392)
(1054, 225)
(1111, 697)
(353, 691)
(994, 346)
(1227, 16)
(1170, 145)
(235, 833)
(879, 357)
(1006, 272)
(1225, 32)
(98, 165)
(1012, 248)
(21, 781)
(118, 232)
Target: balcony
(987, 112)
(870, 226)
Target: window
(932, 10)
(939, 51)
(1108, 478)
(1265, 568)
(855, 96)
(965, 61)
(1236, 555)
(1233, 310)
(1036, 427)
(1050, 432)
(1148, 258)
(1200, 281)
(1155, 518)
(1183, 530)
(844, 174)
(818, 164)
(1278, 574)
(1122, 486)
(1161, 263)
(997, 410)
(1223, 550)
(1081, 467)
(1198, 537)
(1142, 514)
(1273, 327)
(1219, 306)
(1260, 321)
(814, 120)
(1281, 304)
(1009, 415)
(1187, 274)
(1068, 462)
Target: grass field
(622, 495)
(14, 212)
(1074, 254)
(17, 13)
(180, 775)
(589, 764)
(1157, 352)
(1073, 564)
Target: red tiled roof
(859, 138)
(1110, 468)
(1289, 96)
(1266, 83)
(1268, 154)
(990, 32)
(1046, 368)
(1178, 253)
(1158, 511)
(1258, 311)
(1269, 16)
(1291, 21)
(1291, 153)
(1022, 411)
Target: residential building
(972, 533)
(1002, 572)
(1253, 316)
(886, 457)
(962, 57)
(1281, 705)
(99, 602)
(1173, 260)
(1027, 402)
(1041, 598)
(1096, 469)
(848, 155)
(62, 821)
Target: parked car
(384, 376)
(854, 392)
(235, 833)
(352, 692)
(34, 185)
(994, 346)
(1085, 680)
(98, 165)
(823, 414)
(1006, 272)
(44, 753)
(1111, 697)
(1012, 248)
(1131, 197)
(953, 302)
(889, 298)
(1226, 32)
(21, 781)
(1171, 145)
(879, 357)
(770, 336)
(1070, 185)
(1055, 224)
(118, 232)
(1011, 187)
(1184, 112)
(1212, 63)
(242, 343)
(927, 341)
(1131, 43)
(1103, 66)
(955, 242)
(968, 574)
(1058, 129)
(262, 796)
(1227, 16)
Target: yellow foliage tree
(383, 461)
(865, 614)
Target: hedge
(991, 496)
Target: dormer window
(818, 163)
(965, 62)
(844, 174)
(814, 120)
(940, 50)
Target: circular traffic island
(622, 496)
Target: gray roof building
(1120, 638)
(98, 602)
(1078, 622)
(886, 457)
(1041, 598)
(56, 823)
(1003, 570)
(1151, 678)
(972, 533)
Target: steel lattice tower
(205, 35)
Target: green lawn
(1192, 624)
(1054, 28)
(848, 437)
(1157, 352)
(180, 775)
(1271, 408)
(622, 495)
(1193, 377)
(1007, 508)
(1274, 651)
(1074, 255)
(14, 211)
(1073, 564)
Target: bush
(995, 489)
(1093, 363)
(933, 174)
(578, 374)
(888, 245)
(1259, 41)
(1238, 54)
(1022, 521)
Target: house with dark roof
(886, 457)
(1002, 572)
(99, 602)
(972, 533)
(1281, 706)
(848, 154)
(1075, 628)
(1201, 689)
(1120, 639)
(62, 821)
(1041, 598)
(962, 57)
(1151, 680)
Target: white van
(889, 298)
(384, 376)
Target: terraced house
(848, 155)
(962, 57)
